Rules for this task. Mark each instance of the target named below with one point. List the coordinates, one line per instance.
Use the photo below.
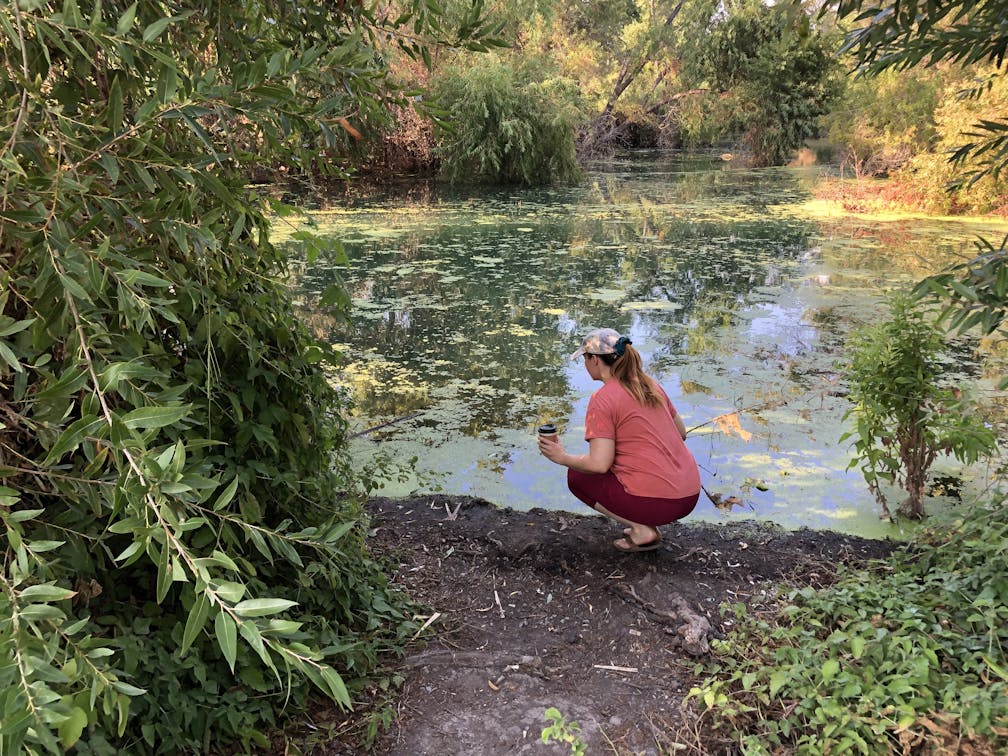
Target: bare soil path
(537, 609)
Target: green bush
(183, 540)
(506, 126)
(906, 410)
(881, 122)
(910, 655)
(775, 73)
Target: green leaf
(15, 326)
(115, 117)
(227, 637)
(778, 679)
(229, 591)
(72, 437)
(46, 592)
(857, 646)
(10, 358)
(126, 21)
(132, 550)
(155, 417)
(20, 515)
(337, 688)
(226, 495)
(224, 560)
(73, 288)
(40, 612)
(829, 669)
(40, 547)
(127, 689)
(72, 727)
(253, 637)
(196, 620)
(156, 29)
(132, 276)
(261, 607)
(164, 572)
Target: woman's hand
(551, 448)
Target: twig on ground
(430, 620)
(614, 668)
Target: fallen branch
(692, 630)
(373, 428)
(750, 408)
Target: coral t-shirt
(651, 457)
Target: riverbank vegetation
(759, 82)
(911, 656)
(183, 540)
(907, 656)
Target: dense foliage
(507, 126)
(620, 74)
(183, 546)
(890, 35)
(910, 656)
(774, 75)
(906, 406)
(882, 122)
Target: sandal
(627, 545)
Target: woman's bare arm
(601, 452)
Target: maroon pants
(606, 490)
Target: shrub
(183, 539)
(907, 656)
(906, 411)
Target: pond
(735, 286)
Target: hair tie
(621, 345)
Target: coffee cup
(547, 429)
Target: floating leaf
(731, 424)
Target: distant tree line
(572, 81)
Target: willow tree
(641, 43)
(182, 539)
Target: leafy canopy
(182, 539)
(774, 73)
(907, 34)
(894, 34)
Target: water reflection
(465, 307)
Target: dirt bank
(531, 610)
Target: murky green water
(735, 288)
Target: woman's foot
(636, 540)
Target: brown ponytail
(629, 370)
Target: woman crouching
(638, 470)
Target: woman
(638, 470)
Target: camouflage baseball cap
(599, 341)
